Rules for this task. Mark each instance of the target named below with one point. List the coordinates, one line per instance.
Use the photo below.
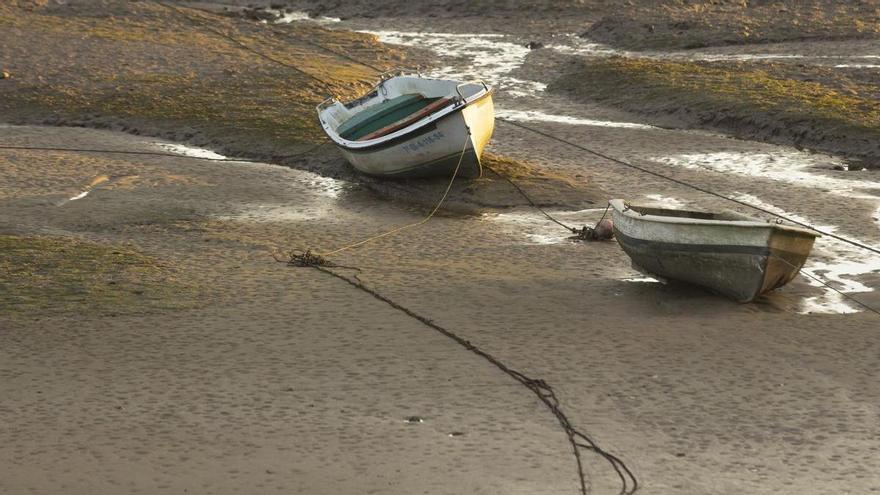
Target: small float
(412, 126)
(728, 253)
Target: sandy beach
(150, 342)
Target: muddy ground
(150, 342)
(832, 109)
(229, 83)
(817, 108)
(635, 25)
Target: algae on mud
(174, 73)
(520, 170)
(491, 191)
(43, 275)
(145, 68)
(746, 100)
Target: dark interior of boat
(700, 215)
(389, 116)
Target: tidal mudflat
(150, 342)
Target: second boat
(726, 252)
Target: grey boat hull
(741, 259)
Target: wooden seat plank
(408, 120)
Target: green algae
(739, 89)
(761, 102)
(262, 91)
(44, 275)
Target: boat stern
(789, 249)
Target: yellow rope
(416, 224)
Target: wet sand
(285, 379)
(288, 379)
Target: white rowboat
(411, 126)
(727, 253)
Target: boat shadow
(673, 297)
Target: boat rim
(459, 104)
(623, 208)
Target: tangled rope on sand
(303, 258)
(602, 231)
(578, 440)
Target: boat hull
(741, 260)
(434, 149)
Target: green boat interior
(730, 216)
(389, 116)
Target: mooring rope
(241, 44)
(707, 191)
(531, 201)
(545, 393)
(692, 186)
(310, 258)
(583, 234)
(577, 439)
(827, 285)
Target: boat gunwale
(683, 247)
(622, 208)
(404, 132)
